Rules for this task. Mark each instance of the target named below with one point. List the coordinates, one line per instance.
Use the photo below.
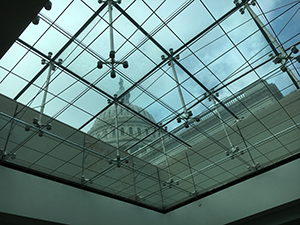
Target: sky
(211, 59)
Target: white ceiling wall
(30, 196)
(268, 190)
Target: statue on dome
(121, 90)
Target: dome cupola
(131, 127)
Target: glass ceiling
(222, 108)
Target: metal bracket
(170, 183)
(115, 100)
(284, 59)
(139, 198)
(118, 160)
(4, 154)
(242, 9)
(39, 125)
(235, 151)
(86, 180)
(195, 192)
(256, 166)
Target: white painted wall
(30, 196)
(260, 193)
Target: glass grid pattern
(214, 109)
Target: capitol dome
(131, 128)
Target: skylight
(211, 89)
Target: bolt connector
(170, 183)
(86, 180)
(234, 151)
(38, 124)
(117, 1)
(118, 161)
(248, 2)
(284, 59)
(4, 154)
(115, 100)
(171, 57)
(49, 62)
(255, 166)
(212, 95)
(112, 63)
(186, 117)
(139, 198)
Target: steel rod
(117, 129)
(45, 91)
(10, 130)
(245, 143)
(160, 188)
(111, 34)
(191, 172)
(219, 115)
(179, 89)
(166, 156)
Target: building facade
(131, 128)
